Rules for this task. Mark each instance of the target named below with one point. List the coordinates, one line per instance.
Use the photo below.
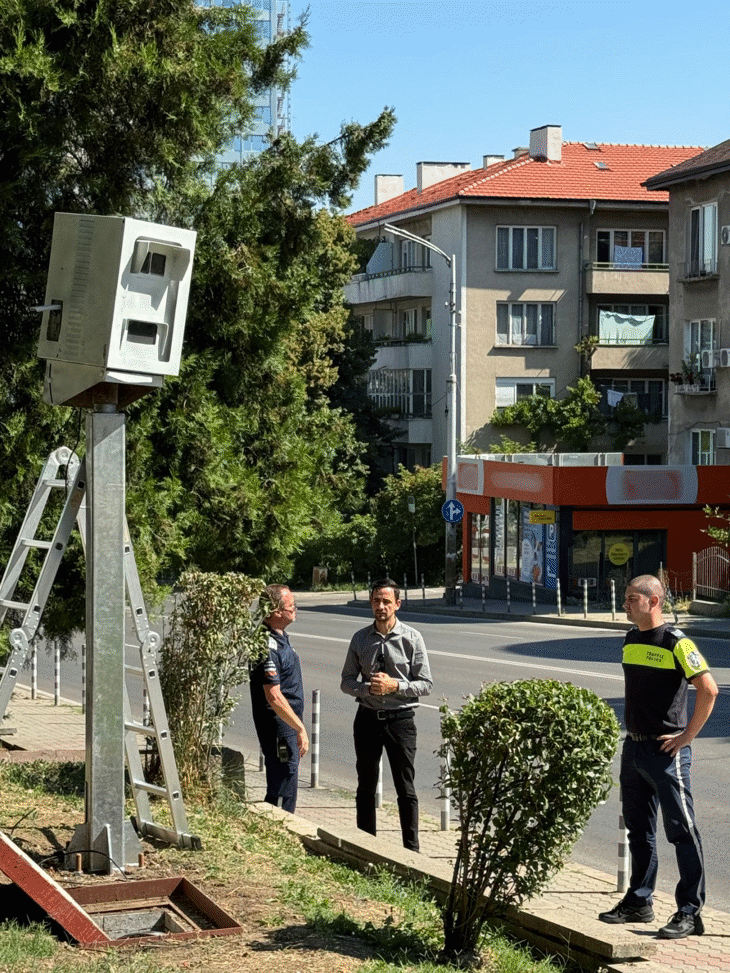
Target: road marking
(503, 662)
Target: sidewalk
(565, 913)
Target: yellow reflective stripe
(689, 657)
(636, 654)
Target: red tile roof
(576, 176)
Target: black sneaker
(682, 924)
(628, 913)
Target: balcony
(391, 285)
(705, 386)
(635, 279)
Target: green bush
(215, 633)
(528, 763)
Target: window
(509, 390)
(630, 247)
(414, 256)
(701, 337)
(632, 324)
(525, 248)
(703, 441)
(525, 324)
(401, 391)
(650, 393)
(702, 247)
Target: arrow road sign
(452, 511)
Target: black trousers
(397, 736)
(282, 776)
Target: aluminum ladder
(73, 483)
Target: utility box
(116, 301)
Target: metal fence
(711, 574)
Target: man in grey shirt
(386, 670)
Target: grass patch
(329, 916)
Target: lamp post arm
(396, 231)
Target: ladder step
(142, 785)
(19, 605)
(52, 482)
(32, 542)
(148, 731)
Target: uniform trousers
(396, 734)
(282, 776)
(652, 779)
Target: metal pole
(405, 587)
(509, 597)
(560, 605)
(584, 582)
(445, 797)
(461, 596)
(354, 589)
(622, 877)
(613, 599)
(262, 763)
(534, 598)
(415, 557)
(314, 742)
(379, 786)
(34, 671)
(484, 597)
(56, 672)
(694, 575)
(423, 587)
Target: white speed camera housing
(116, 301)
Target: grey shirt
(401, 654)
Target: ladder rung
(148, 731)
(56, 483)
(142, 785)
(19, 605)
(32, 542)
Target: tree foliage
(117, 107)
(528, 761)
(575, 421)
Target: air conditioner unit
(708, 359)
(725, 235)
(723, 358)
(722, 438)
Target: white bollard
(34, 672)
(613, 599)
(445, 798)
(83, 677)
(509, 597)
(354, 589)
(405, 588)
(261, 761)
(423, 587)
(484, 597)
(622, 878)
(584, 582)
(379, 786)
(314, 742)
(534, 598)
(560, 605)
(56, 672)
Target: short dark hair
(649, 585)
(274, 595)
(385, 583)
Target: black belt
(641, 737)
(388, 715)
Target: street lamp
(450, 530)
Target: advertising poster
(551, 556)
(532, 562)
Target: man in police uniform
(386, 670)
(277, 702)
(659, 662)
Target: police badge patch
(694, 660)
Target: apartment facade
(699, 300)
(558, 242)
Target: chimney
(519, 151)
(491, 160)
(388, 187)
(546, 143)
(429, 173)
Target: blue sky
(472, 77)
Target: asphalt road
(464, 653)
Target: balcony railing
(395, 272)
(612, 265)
(705, 385)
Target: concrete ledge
(50, 756)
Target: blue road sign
(453, 511)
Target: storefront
(546, 518)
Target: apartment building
(560, 241)
(699, 302)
